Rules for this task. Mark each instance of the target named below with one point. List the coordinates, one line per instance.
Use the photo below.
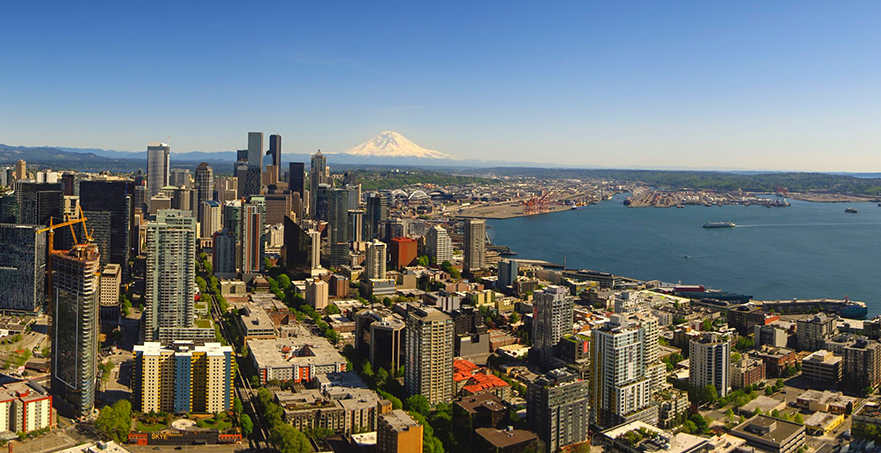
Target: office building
(318, 176)
(252, 236)
(507, 273)
(813, 331)
(709, 362)
(438, 244)
(626, 370)
(356, 225)
(21, 171)
(113, 232)
(475, 244)
(254, 173)
(158, 167)
(822, 367)
(429, 342)
(403, 252)
(210, 213)
(376, 259)
(398, 433)
(180, 177)
(379, 335)
(297, 179)
(297, 250)
(170, 274)
(224, 253)
(320, 202)
(470, 335)
(23, 273)
(111, 278)
(552, 319)
(771, 434)
(278, 206)
(557, 409)
(204, 185)
(75, 288)
(317, 294)
(337, 216)
(274, 154)
(183, 377)
(862, 364)
(38, 202)
(376, 213)
(771, 334)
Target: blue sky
(735, 85)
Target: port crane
(50, 230)
(537, 205)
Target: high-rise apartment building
(158, 167)
(862, 364)
(379, 336)
(557, 409)
(429, 360)
(111, 279)
(75, 288)
(317, 292)
(813, 331)
(204, 185)
(253, 215)
(438, 244)
(171, 274)
(626, 370)
(254, 175)
(224, 253)
(551, 320)
(398, 433)
(376, 213)
(23, 272)
(182, 377)
(376, 260)
(709, 362)
(475, 244)
(114, 232)
(210, 213)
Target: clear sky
(705, 84)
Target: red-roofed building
(403, 252)
(471, 379)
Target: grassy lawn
(203, 323)
(211, 423)
(150, 428)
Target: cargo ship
(719, 225)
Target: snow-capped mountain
(393, 144)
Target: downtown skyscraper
(204, 187)
(551, 320)
(75, 288)
(158, 167)
(475, 244)
(254, 175)
(113, 230)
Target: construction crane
(51, 236)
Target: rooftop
(768, 428)
(300, 350)
(502, 438)
(398, 420)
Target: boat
(719, 225)
(851, 210)
(853, 309)
(686, 256)
(578, 206)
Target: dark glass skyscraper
(275, 152)
(113, 230)
(377, 212)
(204, 187)
(23, 272)
(297, 178)
(38, 202)
(254, 176)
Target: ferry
(851, 210)
(719, 225)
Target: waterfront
(808, 250)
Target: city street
(55, 440)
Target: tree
(396, 402)
(114, 422)
(381, 377)
(288, 439)
(514, 318)
(247, 425)
(799, 419)
(423, 261)
(736, 357)
(707, 325)
(237, 406)
(418, 403)
(332, 309)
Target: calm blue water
(808, 250)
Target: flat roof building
(771, 434)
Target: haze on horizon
(726, 85)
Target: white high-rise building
(210, 213)
(317, 292)
(171, 273)
(438, 244)
(552, 319)
(626, 370)
(709, 362)
(475, 244)
(376, 259)
(158, 167)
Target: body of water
(807, 250)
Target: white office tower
(171, 274)
(551, 320)
(709, 362)
(625, 370)
(438, 244)
(158, 166)
(376, 259)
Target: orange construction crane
(51, 236)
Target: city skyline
(678, 85)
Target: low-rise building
(776, 360)
(483, 410)
(763, 403)
(640, 437)
(822, 423)
(748, 371)
(825, 401)
(255, 323)
(771, 434)
(672, 404)
(822, 367)
(299, 358)
(506, 440)
(398, 433)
